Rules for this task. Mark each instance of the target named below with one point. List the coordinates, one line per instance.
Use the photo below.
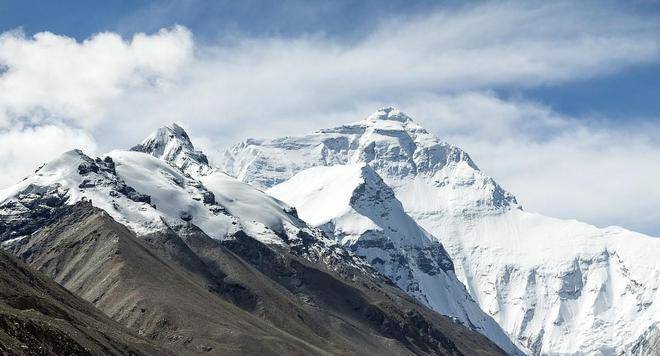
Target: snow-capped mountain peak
(398, 149)
(556, 286)
(172, 144)
(260, 215)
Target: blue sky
(632, 94)
(559, 101)
(207, 19)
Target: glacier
(555, 286)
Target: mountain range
(374, 237)
(192, 261)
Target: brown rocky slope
(194, 294)
(40, 317)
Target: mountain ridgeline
(189, 260)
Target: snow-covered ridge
(137, 190)
(352, 204)
(148, 194)
(349, 201)
(555, 286)
(260, 214)
(165, 184)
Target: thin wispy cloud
(441, 67)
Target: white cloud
(273, 85)
(22, 150)
(55, 76)
(439, 67)
(557, 165)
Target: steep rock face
(555, 286)
(353, 204)
(648, 344)
(39, 317)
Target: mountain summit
(555, 286)
(389, 113)
(172, 144)
(409, 158)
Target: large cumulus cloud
(444, 68)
